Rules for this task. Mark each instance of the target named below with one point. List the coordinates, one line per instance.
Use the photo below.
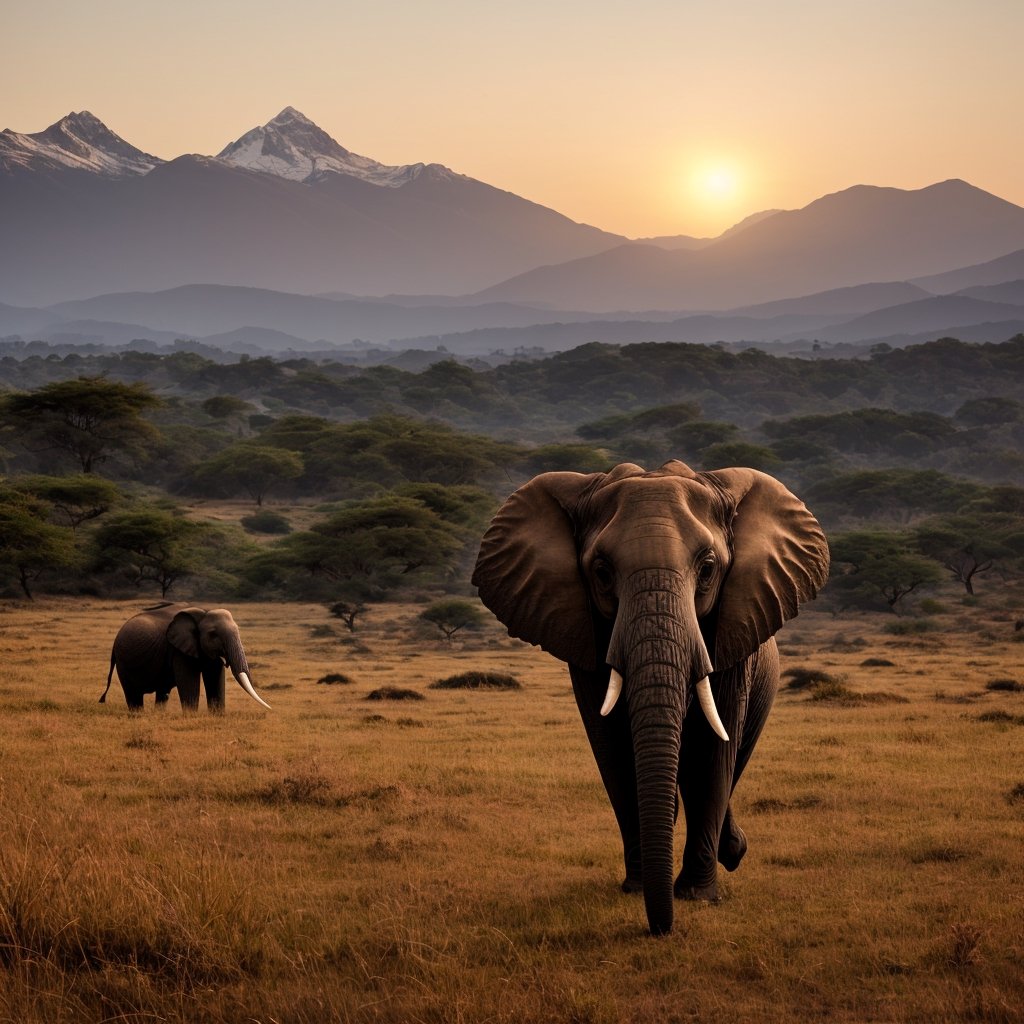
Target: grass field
(454, 859)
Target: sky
(653, 117)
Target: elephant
(658, 586)
(170, 645)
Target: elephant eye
(604, 575)
(706, 572)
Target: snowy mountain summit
(78, 142)
(291, 146)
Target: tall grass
(455, 860)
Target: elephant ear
(779, 560)
(183, 631)
(528, 573)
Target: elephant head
(657, 579)
(212, 636)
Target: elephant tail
(110, 675)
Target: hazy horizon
(663, 119)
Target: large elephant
(660, 585)
(172, 645)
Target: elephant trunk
(235, 655)
(657, 646)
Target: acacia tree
(966, 545)
(149, 545)
(348, 610)
(77, 499)
(30, 547)
(88, 419)
(366, 547)
(253, 468)
(883, 563)
(453, 614)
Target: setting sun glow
(718, 182)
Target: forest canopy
(352, 484)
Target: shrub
(937, 853)
(932, 607)
(394, 693)
(834, 690)
(910, 627)
(1016, 795)
(266, 521)
(308, 787)
(1001, 717)
(840, 693)
(1009, 685)
(333, 677)
(877, 663)
(803, 678)
(478, 681)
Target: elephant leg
(710, 769)
(213, 683)
(133, 700)
(611, 740)
(186, 679)
(764, 684)
(706, 771)
(161, 698)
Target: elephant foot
(706, 893)
(731, 846)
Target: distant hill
(945, 312)
(21, 320)
(197, 311)
(1008, 291)
(864, 234)
(862, 298)
(688, 242)
(1004, 268)
(260, 320)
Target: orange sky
(653, 117)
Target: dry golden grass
(454, 859)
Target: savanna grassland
(453, 858)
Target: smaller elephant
(172, 645)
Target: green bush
(910, 627)
(266, 521)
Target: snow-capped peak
(292, 146)
(80, 141)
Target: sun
(717, 182)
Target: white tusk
(247, 686)
(707, 704)
(614, 689)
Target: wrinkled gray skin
(174, 645)
(667, 577)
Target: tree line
(97, 467)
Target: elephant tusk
(707, 704)
(614, 689)
(243, 679)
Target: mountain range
(102, 242)
(82, 215)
